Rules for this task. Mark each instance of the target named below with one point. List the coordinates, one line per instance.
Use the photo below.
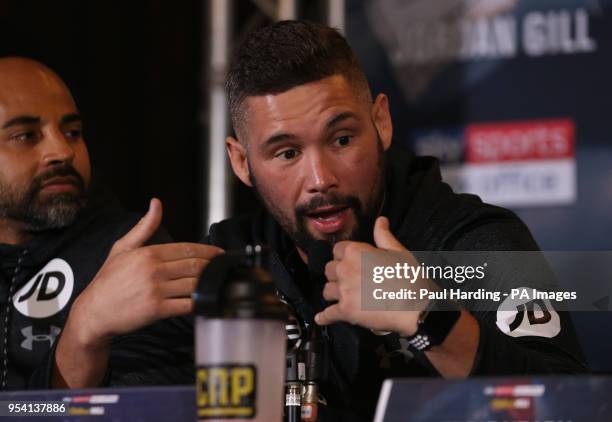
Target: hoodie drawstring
(7, 316)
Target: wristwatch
(434, 324)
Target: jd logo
(528, 308)
(41, 283)
(30, 337)
(47, 292)
(528, 317)
(226, 391)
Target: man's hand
(453, 359)
(136, 286)
(344, 286)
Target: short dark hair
(287, 54)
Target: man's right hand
(136, 286)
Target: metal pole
(217, 191)
(336, 14)
(287, 9)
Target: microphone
(293, 379)
(293, 390)
(319, 254)
(312, 362)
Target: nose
(320, 177)
(56, 148)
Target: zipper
(7, 317)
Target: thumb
(142, 231)
(383, 238)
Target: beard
(39, 214)
(365, 213)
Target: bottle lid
(234, 285)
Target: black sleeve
(537, 337)
(159, 354)
(499, 354)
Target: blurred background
(513, 96)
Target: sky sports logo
(516, 163)
(519, 141)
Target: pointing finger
(189, 267)
(176, 251)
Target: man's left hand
(344, 286)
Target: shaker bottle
(240, 341)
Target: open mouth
(326, 213)
(329, 219)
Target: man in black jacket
(63, 239)
(316, 148)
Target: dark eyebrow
(340, 118)
(69, 118)
(275, 139)
(31, 120)
(283, 137)
(22, 120)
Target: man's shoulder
(431, 215)
(472, 224)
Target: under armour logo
(30, 337)
(386, 356)
(535, 317)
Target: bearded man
(317, 149)
(75, 273)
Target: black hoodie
(39, 281)
(425, 215)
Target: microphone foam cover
(319, 254)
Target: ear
(238, 159)
(382, 119)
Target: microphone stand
(310, 401)
(293, 390)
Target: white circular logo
(523, 314)
(48, 292)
